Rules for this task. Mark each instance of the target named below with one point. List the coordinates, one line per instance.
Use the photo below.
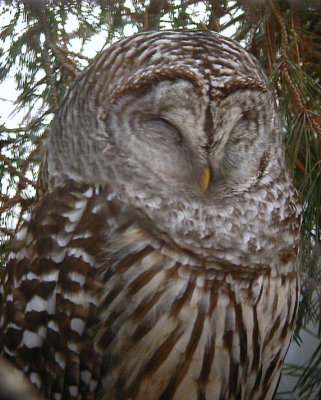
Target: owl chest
(170, 332)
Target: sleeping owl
(163, 262)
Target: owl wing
(49, 293)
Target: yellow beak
(205, 179)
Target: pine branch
(23, 179)
(17, 199)
(51, 79)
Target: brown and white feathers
(163, 263)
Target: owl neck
(245, 230)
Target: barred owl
(163, 262)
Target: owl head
(173, 110)
(182, 126)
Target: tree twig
(16, 172)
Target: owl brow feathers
(152, 75)
(236, 83)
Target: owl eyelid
(171, 126)
(165, 121)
